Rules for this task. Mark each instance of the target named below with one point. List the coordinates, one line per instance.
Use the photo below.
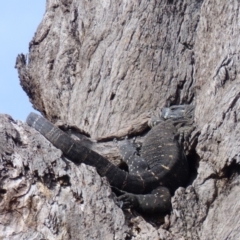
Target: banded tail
(78, 154)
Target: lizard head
(178, 112)
(175, 113)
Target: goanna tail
(78, 154)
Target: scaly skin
(161, 168)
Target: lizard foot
(128, 200)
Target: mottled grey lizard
(153, 175)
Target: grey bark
(43, 196)
(102, 67)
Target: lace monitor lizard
(153, 176)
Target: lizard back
(164, 156)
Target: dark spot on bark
(112, 96)
(193, 160)
(231, 170)
(3, 191)
(64, 181)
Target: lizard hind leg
(128, 152)
(159, 200)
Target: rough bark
(43, 196)
(102, 67)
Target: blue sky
(19, 20)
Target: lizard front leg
(159, 200)
(128, 152)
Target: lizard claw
(134, 139)
(128, 200)
(120, 204)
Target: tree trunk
(101, 68)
